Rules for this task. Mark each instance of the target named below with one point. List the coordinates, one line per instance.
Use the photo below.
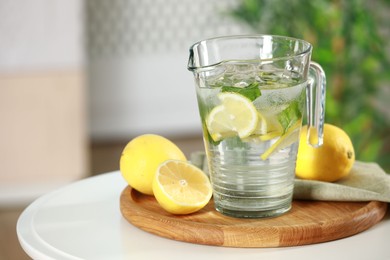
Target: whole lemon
(329, 162)
(142, 156)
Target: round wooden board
(308, 222)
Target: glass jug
(252, 91)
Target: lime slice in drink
(236, 115)
(290, 137)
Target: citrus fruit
(236, 115)
(329, 162)
(180, 187)
(261, 127)
(290, 137)
(141, 158)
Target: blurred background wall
(75, 73)
(43, 120)
(80, 72)
(137, 53)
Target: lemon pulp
(236, 115)
(180, 187)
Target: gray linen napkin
(366, 182)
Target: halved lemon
(236, 115)
(180, 187)
(290, 137)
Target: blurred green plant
(347, 43)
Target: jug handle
(315, 102)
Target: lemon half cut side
(180, 187)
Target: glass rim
(308, 49)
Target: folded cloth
(366, 182)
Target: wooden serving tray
(308, 222)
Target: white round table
(83, 221)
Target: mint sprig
(251, 91)
(289, 116)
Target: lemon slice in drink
(261, 127)
(270, 135)
(180, 187)
(267, 128)
(270, 128)
(236, 115)
(290, 137)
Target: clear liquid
(244, 184)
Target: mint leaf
(251, 91)
(290, 115)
